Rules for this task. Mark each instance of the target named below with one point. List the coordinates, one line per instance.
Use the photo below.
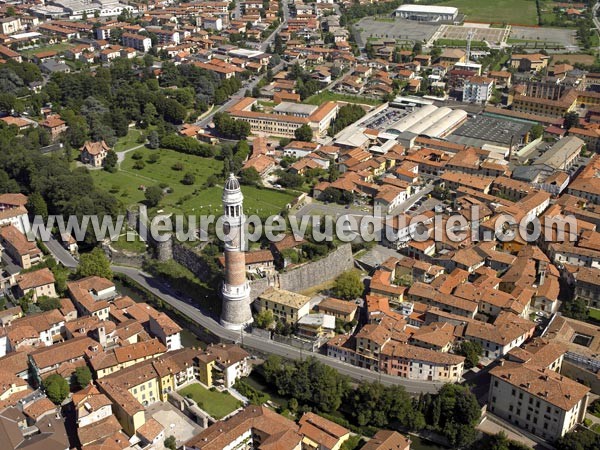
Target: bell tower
(235, 311)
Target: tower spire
(235, 313)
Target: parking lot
(395, 28)
(492, 35)
(562, 37)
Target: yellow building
(133, 388)
(545, 107)
(118, 358)
(285, 305)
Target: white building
(539, 400)
(427, 13)
(136, 41)
(166, 330)
(478, 90)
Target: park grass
(325, 96)
(217, 404)
(125, 184)
(516, 12)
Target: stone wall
(188, 258)
(310, 274)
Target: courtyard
(217, 404)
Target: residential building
(286, 306)
(13, 212)
(93, 153)
(478, 89)
(166, 330)
(91, 296)
(541, 401)
(387, 440)
(342, 310)
(24, 252)
(40, 283)
(136, 41)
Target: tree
(291, 180)
(250, 176)
(578, 440)
(83, 376)
(171, 443)
(571, 119)
(94, 263)
(304, 133)
(189, 179)
(48, 303)
(153, 195)
(472, 351)
(264, 319)
(36, 205)
(575, 309)
(348, 285)
(153, 140)
(537, 130)
(57, 388)
(153, 158)
(111, 160)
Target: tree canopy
(57, 388)
(348, 285)
(94, 263)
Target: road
(252, 84)
(206, 120)
(167, 295)
(61, 254)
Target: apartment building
(13, 211)
(24, 252)
(136, 41)
(417, 363)
(478, 89)
(286, 306)
(537, 399)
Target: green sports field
(516, 12)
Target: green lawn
(217, 404)
(595, 314)
(129, 141)
(516, 12)
(324, 96)
(195, 199)
(129, 241)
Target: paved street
(61, 254)
(157, 288)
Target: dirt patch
(573, 59)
